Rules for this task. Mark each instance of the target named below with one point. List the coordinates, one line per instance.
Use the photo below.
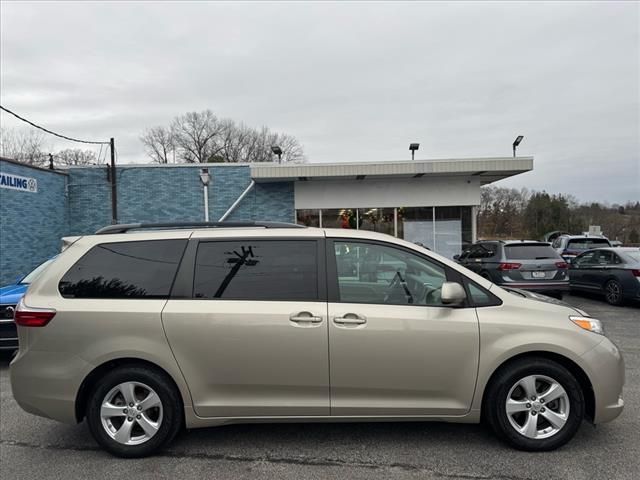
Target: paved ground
(32, 447)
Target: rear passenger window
(124, 270)
(257, 270)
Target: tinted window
(605, 257)
(585, 259)
(529, 251)
(124, 270)
(586, 243)
(257, 270)
(371, 273)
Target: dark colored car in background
(524, 264)
(10, 295)
(570, 246)
(614, 272)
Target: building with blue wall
(431, 202)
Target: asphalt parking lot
(33, 447)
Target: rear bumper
(46, 383)
(539, 286)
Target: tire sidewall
(503, 383)
(171, 411)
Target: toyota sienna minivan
(144, 330)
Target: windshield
(531, 251)
(35, 273)
(587, 243)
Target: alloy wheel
(131, 413)
(613, 292)
(537, 406)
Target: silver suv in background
(570, 246)
(146, 330)
(524, 264)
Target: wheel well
(97, 373)
(574, 368)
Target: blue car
(10, 295)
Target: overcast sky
(352, 81)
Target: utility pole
(114, 194)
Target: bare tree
(24, 146)
(159, 144)
(75, 156)
(200, 137)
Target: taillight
(509, 266)
(32, 317)
(635, 272)
(562, 265)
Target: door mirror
(452, 293)
(456, 257)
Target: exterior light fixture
(413, 147)
(205, 178)
(278, 151)
(516, 142)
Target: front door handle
(305, 317)
(350, 319)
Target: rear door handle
(350, 319)
(305, 317)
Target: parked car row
(570, 263)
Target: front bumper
(8, 334)
(606, 372)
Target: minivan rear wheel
(133, 411)
(534, 404)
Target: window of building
(340, 218)
(257, 270)
(124, 270)
(373, 273)
(376, 220)
(308, 217)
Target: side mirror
(452, 293)
(456, 257)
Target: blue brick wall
(172, 193)
(80, 203)
(31, 224)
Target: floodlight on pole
(278, 151)
(413, 147)
(516, 142)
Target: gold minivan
(148, 329)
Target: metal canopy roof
(487, 169)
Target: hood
(542, 298)
(11, 294)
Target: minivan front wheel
(535, 404)
(133, 411)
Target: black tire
(172, 415)
(494, 405)
(613, 293)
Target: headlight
(588, 323)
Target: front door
(395, 349)
(251, 334)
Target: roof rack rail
(125, 227)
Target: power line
(49, 131)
